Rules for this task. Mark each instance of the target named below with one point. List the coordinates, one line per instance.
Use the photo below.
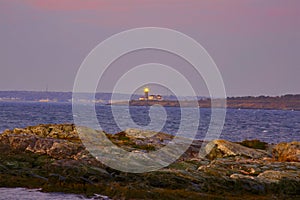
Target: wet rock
(289, 152)
(223, 148)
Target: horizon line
(260, 95)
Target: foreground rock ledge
(53, 158)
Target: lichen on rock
(289, 152)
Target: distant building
(159, 97)
(150, 97)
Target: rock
(60, 131)
(58, 149)
(289, 152)
(6, 132)
(223, 148)
(276, 176)
(65, 149)
(52, 140)
(51, 157)
(41, 131)
(254, 144)
(68, 128)
(18, 130)
(137, 133)
(4, 143)
(41, 146)
(21, 142)
(241, 176)
(16, 142)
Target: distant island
(284, 102)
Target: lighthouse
(147, 97)
(146, 91)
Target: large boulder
(223, 148)
(289, 152)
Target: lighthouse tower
(146, 91)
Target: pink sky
(255, 43)
(255, 13)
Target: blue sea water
(271, 126)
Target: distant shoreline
(284, 102)
(202, 104)
(287, 102)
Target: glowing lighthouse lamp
(146, 91)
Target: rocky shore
(52, 157)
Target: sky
(254, 43)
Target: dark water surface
(271, 126)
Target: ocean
(272, 126)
